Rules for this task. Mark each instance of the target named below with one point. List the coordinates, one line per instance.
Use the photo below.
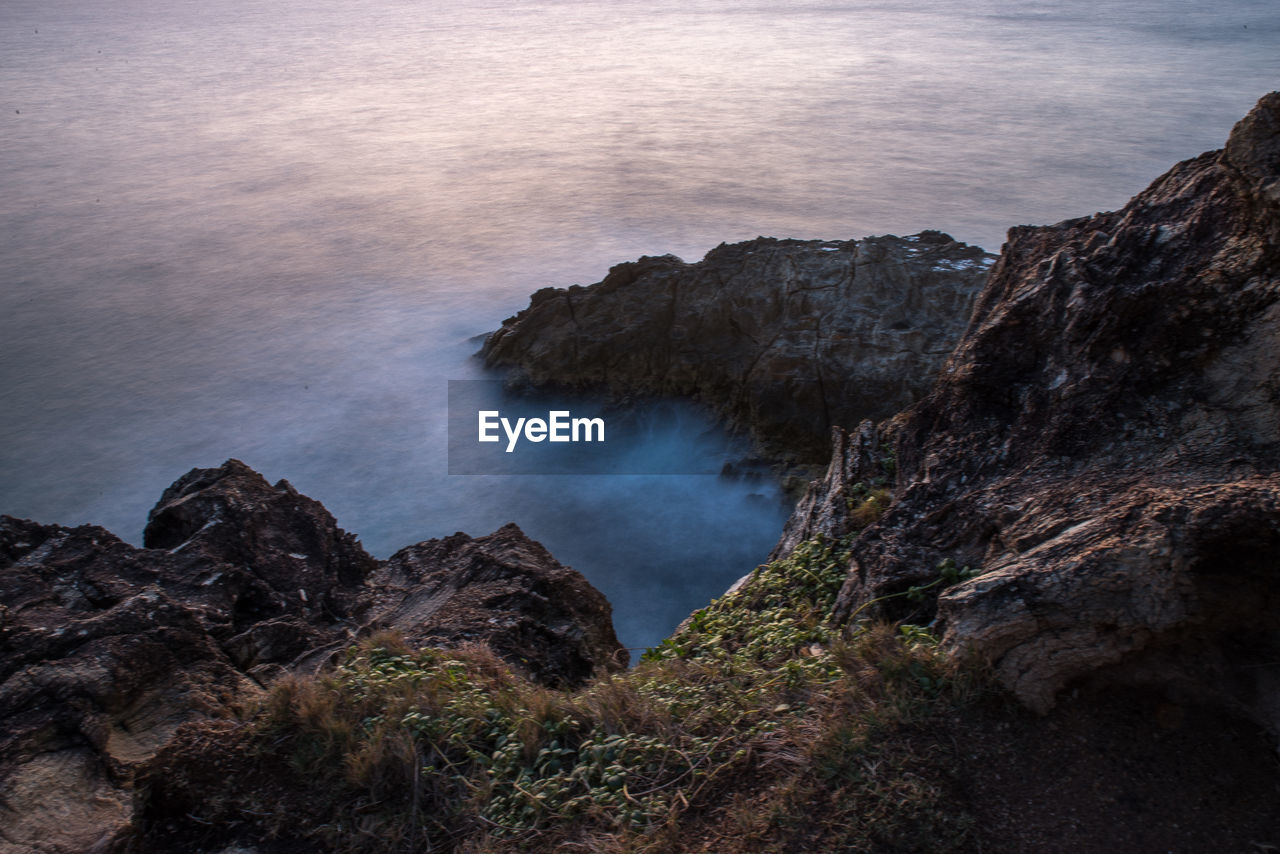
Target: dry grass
(427, 750)
(867, 509)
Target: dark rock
(508, 591)
(1104, 444)
(860, 462)
(98, 667)
(288, 541)
(785, 338)
(106, 649)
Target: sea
(275, 230)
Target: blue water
(271, 230)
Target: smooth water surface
(272, 230)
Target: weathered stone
(785, 338)
(291, 543)
(98, 667)
(507, 591)
(860, 462)
(106, 649)
(1104, 444)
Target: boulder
(784, 338)
(508, 591)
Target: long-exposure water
(272, 230)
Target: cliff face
(1104, 445)
(106, 649)
(783, 337)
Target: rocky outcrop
(106, 649)
(862, 465)
(507, 591)
(1104, 445)
(99, 664)
(785, 338)
(306, 565)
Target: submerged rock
(1104, 444)
(785, 338)
(106, 649)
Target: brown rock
(785, 338)
(507, 591)
(98, 667)
(288, 541)
(1104, 444)
(106, 649)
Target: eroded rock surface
(1104, 444)
(861, 463)
(785, 338)
(508, 591)
(106, 649)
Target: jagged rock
(860, 462)
(508, 591)
(106, 649)
(98, 667)
(785, 338)
(1104, 444)
(291, 543)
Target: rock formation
(507, 591)
(861, 463)
(785, 338)
(1104, 445)
(105, 649)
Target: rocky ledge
(784, 338)
(107, 649)
(1103, 446)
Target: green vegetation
(758, 724)
(866, 503)
(948, 574)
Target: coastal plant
(867, 502)
(425, 748)
(947, 575)
(888, 459)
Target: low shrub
(449, 750)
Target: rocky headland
(1032, 604)
(783, 338)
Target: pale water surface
(271, 230)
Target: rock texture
(862, 461)
(506, 590)
(1104, 444)
(99, 664)
(106, 649)
(785, 338)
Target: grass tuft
(449, 750)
